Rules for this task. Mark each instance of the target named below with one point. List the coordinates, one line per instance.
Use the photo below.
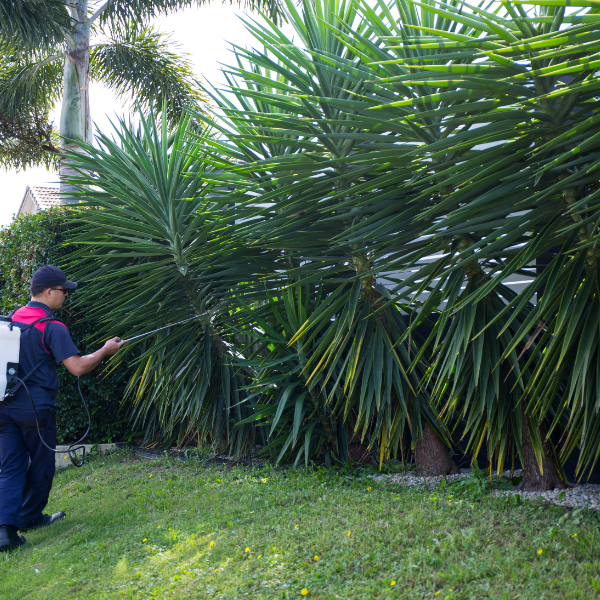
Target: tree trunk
(357, 451)
(533, 479)
(75, 118)
(432, 456)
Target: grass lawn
(139, 528)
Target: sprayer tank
(10, 343)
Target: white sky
(202, 32)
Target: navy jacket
(49, 342)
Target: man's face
(55, 297)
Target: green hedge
(28, 243)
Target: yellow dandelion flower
(264, 481)
(368, 489)
(247, 550)
(65, 458)
(150, 474)
(144, 539)
(295, 526)
(304, 592)
(438, 592)
(259, 556)
(574, 535)
(316, 557)
(393, 583)
(159, 526)
(540, 551)
(349, 533)
(212, 543)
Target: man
(24, 490)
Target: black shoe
(46, 520)
(9, 538)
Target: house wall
(29, 207)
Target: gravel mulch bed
(577, 495)
(584, 495)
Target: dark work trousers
(24, 490)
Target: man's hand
(80, 365)
(113, 346)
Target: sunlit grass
(158, 529)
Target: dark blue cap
(49, 275)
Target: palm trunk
(535, 480)
(75, 118)
(432, 456)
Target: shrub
(28, 243)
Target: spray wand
(135, 337)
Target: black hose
(73, 447)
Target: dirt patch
(72, 590)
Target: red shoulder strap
(30, 314)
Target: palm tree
(162, 249)
(502, 111)
(306, 157)
(387, 178)
(26, 136)
(47, 55)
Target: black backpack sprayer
(10, 383)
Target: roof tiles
(45, 197)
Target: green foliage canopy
(40, 41)
(397, 168)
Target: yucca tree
(485, 95)
(157, 247)
(291, 120)
(301, 421)
(51, 50)
(448, 94)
